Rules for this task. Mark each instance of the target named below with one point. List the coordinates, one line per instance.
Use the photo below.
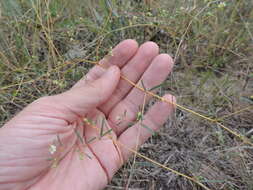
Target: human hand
(86, 155)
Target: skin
(106, 100)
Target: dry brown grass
(213, 76)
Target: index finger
(121, 54)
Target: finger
(121, 54)
(126, 111)
(133, 71)
(79, 101)
(136, 135)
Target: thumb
(81, 100)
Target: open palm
(69, 141)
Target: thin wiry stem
(216, 121)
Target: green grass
(212, 47)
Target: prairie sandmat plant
(46, 46)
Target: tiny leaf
(92, 139)
(59, 140)
(148, 128)
(107, 132)
(79, 136)
(158, 86)
(102, 127)
(142, 83)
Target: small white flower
(52, 149)
(222, 5)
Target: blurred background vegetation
(43, 41)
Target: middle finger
(133, 71)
